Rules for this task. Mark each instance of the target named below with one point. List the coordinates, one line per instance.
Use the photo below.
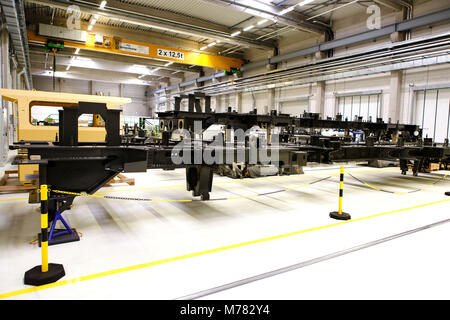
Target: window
(47, 114)
(367, 106)
(433, 113)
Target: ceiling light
(289, 9)
(68, 67)
(260, 22)
(103, 4)
(77, 51)
(211, 44)
(168, 64)
(249, 27)
(96, 16)
(90, 27)
(141, 76)
(236, 33)
(203, 48)
(93, 21)
(155, 69)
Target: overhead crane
(113, 45)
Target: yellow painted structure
(147, 50)
(26, 99)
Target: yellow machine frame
(25, 99)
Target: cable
(396, 192)
(187, 200)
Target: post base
(337, 216)
(447, 193)
(35, 277)
(61, 236)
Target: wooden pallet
(13, 188)
(120, 178)
(433, 167)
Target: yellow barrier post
(339, 215)
(45, 273)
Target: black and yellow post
(45, 273)
(339, 215)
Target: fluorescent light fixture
(103, 4)
(155, 69)
(90, 27)
(93, 21)
(77, 51)
(234, 34)
(289, 9)
(249, 27)
(68, 67)
(260, 22)
(168, 64)
(211, 44)
(203, 48)
(304, 2)
(141, 76)
(96, 16)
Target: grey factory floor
(168, 250)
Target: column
(320, 98)
(394, 107)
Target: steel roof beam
(146, 16)
(268, 11)
(15, 22)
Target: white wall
(345, 25)
(138, 106)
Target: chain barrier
(186, 200)
(396, 192)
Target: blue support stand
(58, 216)
(58, 236)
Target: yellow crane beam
(146, 50)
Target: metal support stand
(46, 272)
(339, 215)
(58, 236)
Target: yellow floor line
(222, 182)
(14, 199)
(247, 180)
(201, 253)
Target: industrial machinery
(71, 166)
(46, 129)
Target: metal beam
(431, 18)
(125, 12)
(268, 11)
(104, 65)
(389, 4)
(16, 24)
(68, 52)
(146, 50)
(103, 76)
